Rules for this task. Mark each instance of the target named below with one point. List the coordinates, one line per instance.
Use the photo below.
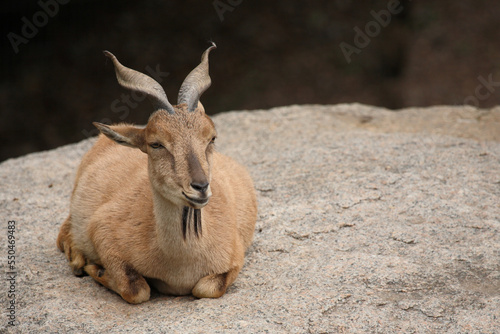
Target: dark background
(270, 53)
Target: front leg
(215, 285)
(65, 244)
(121, 278)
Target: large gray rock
(369, 221)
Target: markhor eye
(156, 145)
(212, 140)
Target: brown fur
(125, 221)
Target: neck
(168, 218)
(173, 221)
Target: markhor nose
(198, 186)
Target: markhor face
(180, 148)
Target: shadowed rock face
(369, 221)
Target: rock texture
(370, 221)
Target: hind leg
(121, 278)
(65, 244)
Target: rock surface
(370, 221)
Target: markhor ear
(126, 135)
(200, 107)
